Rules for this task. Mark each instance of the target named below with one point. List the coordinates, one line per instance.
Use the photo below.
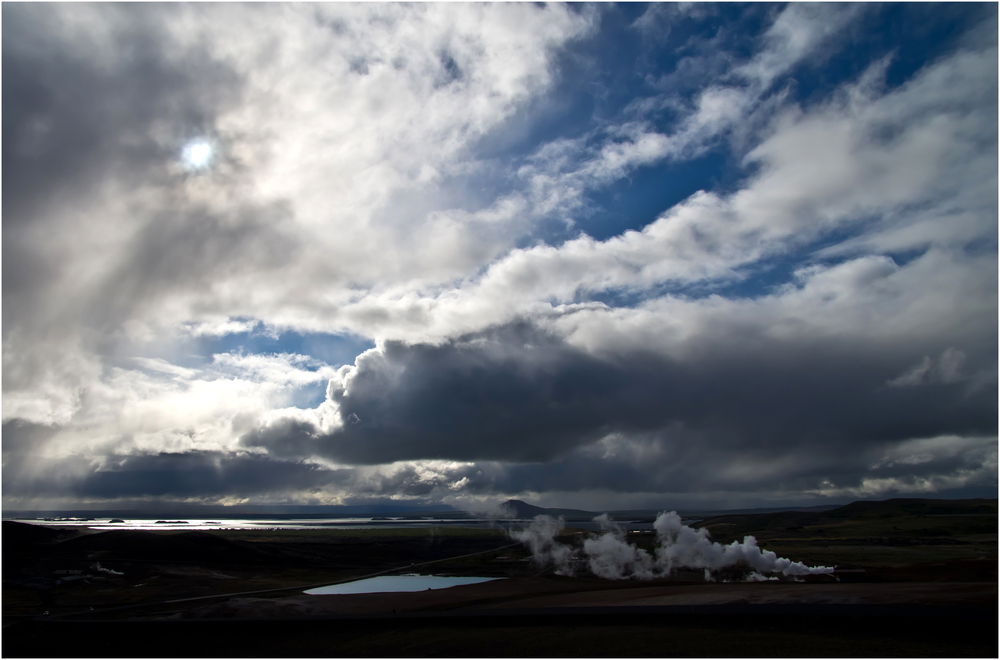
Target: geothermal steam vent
(611, 556)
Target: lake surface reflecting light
(396, 583)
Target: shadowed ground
(239, 594)
(527, 634)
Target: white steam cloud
(611, 556)
(540, 536)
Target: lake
(291, 522)
(396, 583)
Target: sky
(592, 256)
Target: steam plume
(540, 536)
(684, 547)
(611, 556)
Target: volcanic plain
(914, 578)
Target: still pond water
(391, 583)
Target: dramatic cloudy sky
(592, 256)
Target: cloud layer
(817, 318)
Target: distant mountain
(519, 509)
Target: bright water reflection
(390, 583)
(261, 524)
(294, 523)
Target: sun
(197, 155)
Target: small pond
(390, 583)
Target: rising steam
(611, 556)
(540, 536)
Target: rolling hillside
(890, 519)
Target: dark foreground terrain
(722, 632)
(920, 581)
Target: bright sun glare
(197, 155)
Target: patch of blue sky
(915, 34)
(330, 349)
(983, 246)
(912, 34)
(638, 200)
(601, 76)
(596, 80)
(194, 352)
(567, 112)
(760, 278)
(769, 276)
(766, 276)
(309, 396)
(921, 33)
(676, 32)
(763, 278)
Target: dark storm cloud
(205, 474)
(191, 474)
(517, 394)
(196, 474)
(288, 439)
(677, 461)
(513, 394)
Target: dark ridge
(889, 522)
(17, 534)
(191, 546)
(521, 509)
(23, 542)
(773, 509)
(524, 510)
(21, 536)
(915, 507)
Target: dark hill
(21, 537)
(149, 546)
(521, 509)
(896, 518)
(17, 534)
(23, 542)
(915, 507)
